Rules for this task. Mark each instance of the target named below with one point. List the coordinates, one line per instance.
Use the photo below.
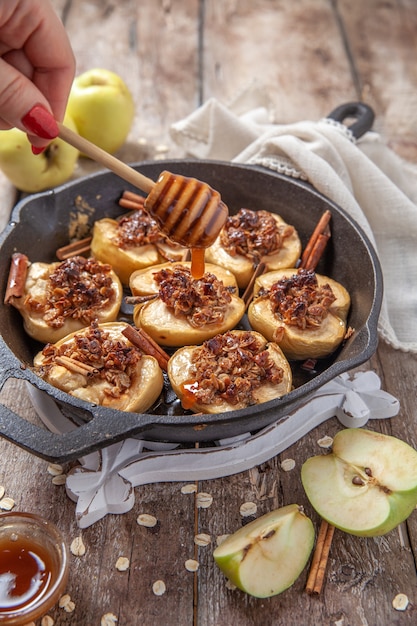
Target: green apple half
(102, 108)
(266, 556)
(33, 173)
(366, 486)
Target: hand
(37, 64)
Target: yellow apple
(33, 173)
(102, 108)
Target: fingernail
(37, 151)
(38, 121)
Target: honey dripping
(25, 572)
(197, 263)
(188, 399)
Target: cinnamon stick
(17, 277)
(317, 242)
(131, 200)
(75, 366)
(75, 248)
(247, 296)
(144, 342)
(317, 573)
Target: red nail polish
(37, 151)
(38, 121)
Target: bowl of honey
(33, 567)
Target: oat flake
(159, 588)
(287, 465)
(400, 602)
(202, 539)
(230, 585)
(204, 500)
(221, 538)
(47, 621)
(191, 565)
(122, 563)
(325, 442)
(59, 479)
(248, 508)
(77, 546)
(7, 504)
(55, 469)
(108, 619)
(66, 603)
(147, 520)
(190, 488)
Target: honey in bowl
(33, 567)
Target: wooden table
(311, 55)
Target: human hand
(37, 68)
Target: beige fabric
(376, 187)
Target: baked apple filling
(100, 365)
(229, 371)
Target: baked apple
(303, 312)
(132, 242)
(176, 309)
(98, 364)
(250, 237)
(230, 371)
(62, 297)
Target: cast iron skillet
(39, 225)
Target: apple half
(37, 289)
(133, 386)
(168, 329)
(366, 486)
(242, 266)
(300, 343)
(265, 557)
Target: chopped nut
(147, 520)
(7, 504)
(108, 619)
(248, 508)
(190, 488)
(59, 479)
(287, 465)
(204, 500)
(202, 539)
(77, 547)
(400, 602)
(122, 563)
(159, 588)
(192, 565)
(325, 442)
(47, 621)
(55, 469)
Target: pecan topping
(103, 357)
(231, 367)
(138, 229)
(202, 301)
(253, 234)
(299, 301)
(77, 288)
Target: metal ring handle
(362, 112)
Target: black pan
(40, 224)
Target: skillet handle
(101, 431)
(362, 112)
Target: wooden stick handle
(104, 158)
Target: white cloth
(367, 179)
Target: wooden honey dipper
(187, 210)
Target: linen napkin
(364, 177)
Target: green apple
(33, 173)
(266, 556)
(102, 108)
(366, 486)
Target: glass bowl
(33, 567)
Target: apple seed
(357, 480)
